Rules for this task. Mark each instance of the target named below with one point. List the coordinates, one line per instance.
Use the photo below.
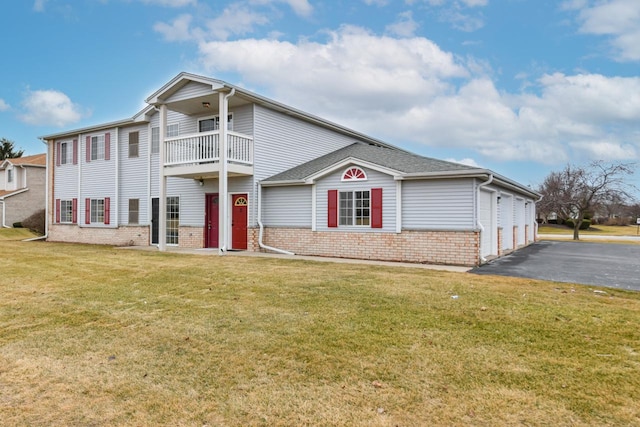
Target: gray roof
(397, 160)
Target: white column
(223, 201)
(162, 202)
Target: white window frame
(96, 214)
(354, 206)
(155, 140)
(173, 130)
(216, 119)
(66, 152)
(66, 211)
(9, 175)
(97, 147)
(173, 217)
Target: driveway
(598, 264)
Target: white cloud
(49, 108)
(178, 30)
(466, 161)
(618, 19)
(236, 19)
(38, 5)
(404, 26)
(299, 7)
(3, 105)
(375, 2)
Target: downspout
(262, 245)
(478, 223)
(223, 188)
(46, 196)
(3, 214)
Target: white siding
(287, 206)
(243, 119)
(133, 183)
(98, 177)
(486, 216)
(520, 221)
(375, 179)
(65, 184)
(191, 90)
(282, 142)
(438, 204)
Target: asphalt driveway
(598, 264)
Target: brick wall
(121, 236)
(23, 205)
(191, 237)
(433, 247)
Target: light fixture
(201, 182)
(206, 104)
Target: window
(359, 208)
(354, 174)
(97, 147)
(173, 220)
(97, 211)
(173, 130)
(9, 175)
(209, 124)
(134, 211)
(67, 152)
(67, 211)
(133, 143)
(355, 208)
(155, 140)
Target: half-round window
(354, 174)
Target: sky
(521, 87)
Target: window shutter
(107, 210)
(87, 211)
(88, 149)
(58, 151)
(75, 151)
(58, 211)
(74, 211)
(376, 208)
(107, 146)
(333, 208)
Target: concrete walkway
(212, 252)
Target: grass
(7, 234)
(92, 335)
(595, 230)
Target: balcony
(198, 155)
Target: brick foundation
(121, 236)
(191, 237)
(432, 247)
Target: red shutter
(75, 151)
(58, 211)
(107, 210)
(87, 211)
(333, 208)
(107, 146)
(58, 150)
(74, 212)
(88, 149)
(376, 208)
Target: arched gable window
(354, 173)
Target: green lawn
(92, 335)
(16, 234)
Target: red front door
(239, 221)
(211, 220)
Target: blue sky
(522, 87)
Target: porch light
(206, 104)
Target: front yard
(93, 335)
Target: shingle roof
(397, 160)
(35, 160)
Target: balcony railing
(205, 148)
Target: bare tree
(8, 151)
(578, 190)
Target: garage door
(506, 216)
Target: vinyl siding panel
(287, 206)
(65, 181)
(282, 142)
(191, 90)
(375, 179)
(133, 183)
(438, 204)
(243, 119)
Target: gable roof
(34, 160)
(403, 165)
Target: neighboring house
(22, 188)
(270, 177)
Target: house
(210, 165)
(22, 188)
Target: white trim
(398, 206)
(314, 207)
(350, 160)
